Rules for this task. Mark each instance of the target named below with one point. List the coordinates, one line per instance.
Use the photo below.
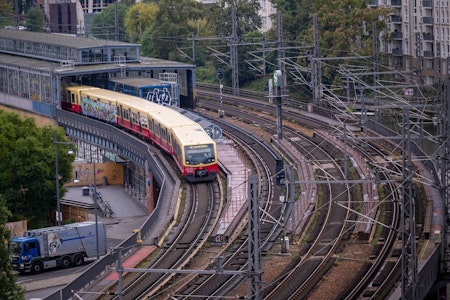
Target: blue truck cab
(23, 250)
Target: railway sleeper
(387, 269)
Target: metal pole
(278, 82)
(58, 202)
(96, 212)
(120, 271)
(58, 205)
(221, 112)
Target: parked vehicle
(57, 246)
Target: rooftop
(58, 39)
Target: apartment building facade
(418, 38)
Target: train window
(72, 97)
(199, 154)
(176, 148)
(144, 122)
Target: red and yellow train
(191, 147)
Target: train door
(169, 141)
(126, 117)
(120, 113)
(152, 129)
(139, 121)
(74, 98)
(129, 117)
(164, 139)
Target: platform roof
(59, 39)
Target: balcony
(428, 54)
(427, 20)
(396, 19)
(397, 51)
(397, 35)
(428, 37)
(427, 3)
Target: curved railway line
(235, 256)
(340, 214)
(331, 227)
(385, 257)
(197, 219)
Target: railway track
(235, 256)
(383, 250)
(195, 224)
(334, 215)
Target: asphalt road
(129, 215)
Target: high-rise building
(418, 38)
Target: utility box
(85, 190)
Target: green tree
(103, 24)
(345, 26)
(247, 17)
(296, 19)
(34, 20)
(27, 180)
(8, 281)
(171, 29)
(345, 29)
(6, 13)
(199, 54)
(138, 19)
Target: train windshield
(199, 154)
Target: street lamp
(95, 203)
(58, 204)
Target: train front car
(71, 98)
(196, 152)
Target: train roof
(81, 87)
(141, 104)
(214, 131)
(170, 118)
(139, 82)
(131, 101)
(192, 135)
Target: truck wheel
(65, 262)
(36, 268)
(78, 260)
